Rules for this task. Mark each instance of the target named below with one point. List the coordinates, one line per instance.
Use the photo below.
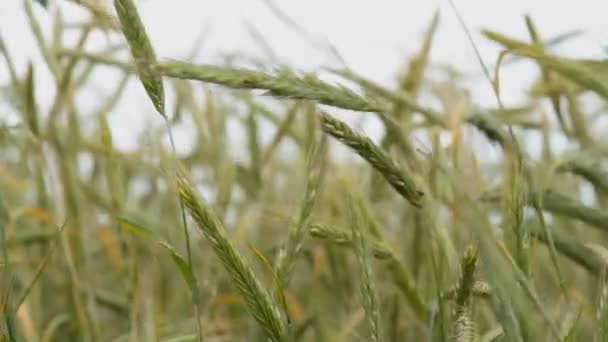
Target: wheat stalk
(297, 232)
(282, 83)
(397, 177)
(142, 52)
(368, 289)
(262, 307)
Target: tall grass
(309, 230)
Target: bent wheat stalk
(363, 146)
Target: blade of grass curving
(137, 228)
(496, 80)
(263, 260)
(551, 42)
(182, 264)
(184, 269)
(279, 291)
(586, 73)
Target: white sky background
(374, 37)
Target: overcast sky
(374, 37)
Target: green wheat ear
(142, 52)
(261, 305)
(397, 177)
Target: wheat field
(310, 230)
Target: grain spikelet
(142, 51)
